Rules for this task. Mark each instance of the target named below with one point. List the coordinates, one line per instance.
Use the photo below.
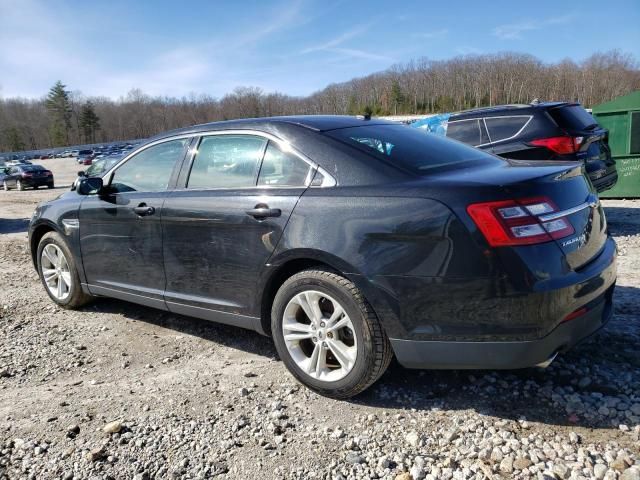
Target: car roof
(511, 109)
(318, 123)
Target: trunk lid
(564, 184)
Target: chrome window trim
(328, 179)
(109, 172)
(569, 211)
(484, 119)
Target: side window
(505, 127)
(149, 170)
(282, 169)
(226, 161)
(467, 131)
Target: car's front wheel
(19, 185)
(5, 185)
(327, 334)
(58, 272)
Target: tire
(5, 185)
(74, 297)
(19, 185)
(363, 338)
(50, 185)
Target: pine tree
(14, 139)
(59, 108)
(397, 97)
(89, 122)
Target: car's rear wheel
(58, 272)
(19, 185)
(50, 185)
(5, 185)
(327, 334)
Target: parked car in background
(84, 155)
(4, 171)
(539, 131)
(347, 240)
(27, 176)
(20, 161)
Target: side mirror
(89, 185)
(81, 173)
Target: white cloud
(514, 31)
(41, 43)
(338, 40)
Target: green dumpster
(621, 117)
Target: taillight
(560, 145)
(516, 222)
(25, 175)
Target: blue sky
(297, 47)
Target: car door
(10, 179)
(221, 226)
(121, 230)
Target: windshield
(410, 148)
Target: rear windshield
(85, 152)
(573, 117)
(407, 147)
(31, 168)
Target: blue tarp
(436, 124)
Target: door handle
(143, 210)
(261, 211)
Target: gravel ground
(120, 391)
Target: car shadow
(603, 371)
(623, 220)
(13, 225)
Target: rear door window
(572, 117)
(227, 161)
(467, 131)
(503, 128)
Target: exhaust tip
(548, 361)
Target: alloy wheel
(55, 271)
(319, 336)
(19, 185)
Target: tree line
(420, 86)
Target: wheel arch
(37, 233)
(282, 267)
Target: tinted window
(282, 168)
(408, 147)
(31, 168)
(573, 117)
(501, 128)
(226, 161)
(467, 131)
(149, 170)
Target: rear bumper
(37, 182)
(507, 354)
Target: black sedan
(27, 176)
(347, 240)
